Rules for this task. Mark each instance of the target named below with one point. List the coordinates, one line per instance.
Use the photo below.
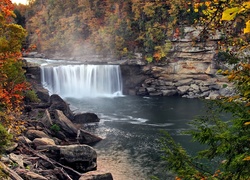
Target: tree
(12, 79)
(227, 141)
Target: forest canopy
(108, 28)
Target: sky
(20, 1)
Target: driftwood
(9, 172)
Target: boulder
(204, 88)
(85, 137)
(32, 134)
(46, 120)
(195, 87)
(142, 91)
(66, 126)
(226, 92)
(80, 157)
(213, 95)
(150, 89)
(43, 141)
(86, 118)
(214, 87)
(183, 89)
(43, 94)
(57, 103)
(169, 92)
(97, 175)
(156, 93)
(184, 82)
(24, 140)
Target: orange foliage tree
(12, 79)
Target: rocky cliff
(190, 70)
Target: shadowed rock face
(58, 103)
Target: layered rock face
(190, 70)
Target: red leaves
(6, 8)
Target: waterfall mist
(79, 81)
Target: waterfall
(82, 80)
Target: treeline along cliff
(108, 28)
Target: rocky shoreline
(54, 144)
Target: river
(131, 127)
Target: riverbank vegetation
(226, 139)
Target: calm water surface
(132, 124)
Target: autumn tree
(12, 79)
(226, 140)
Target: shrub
(30, 96)
(55, 128)
(5, 138)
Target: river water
(131, 127)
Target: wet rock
(150, 89)
(142, 92)
(86, 118)
(169, 92)
(85, 137)
(155, 93)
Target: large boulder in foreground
(80, 157)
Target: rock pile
(53, 146)
(199, 86)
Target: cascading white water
(82, 80)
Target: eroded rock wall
(189, 71)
